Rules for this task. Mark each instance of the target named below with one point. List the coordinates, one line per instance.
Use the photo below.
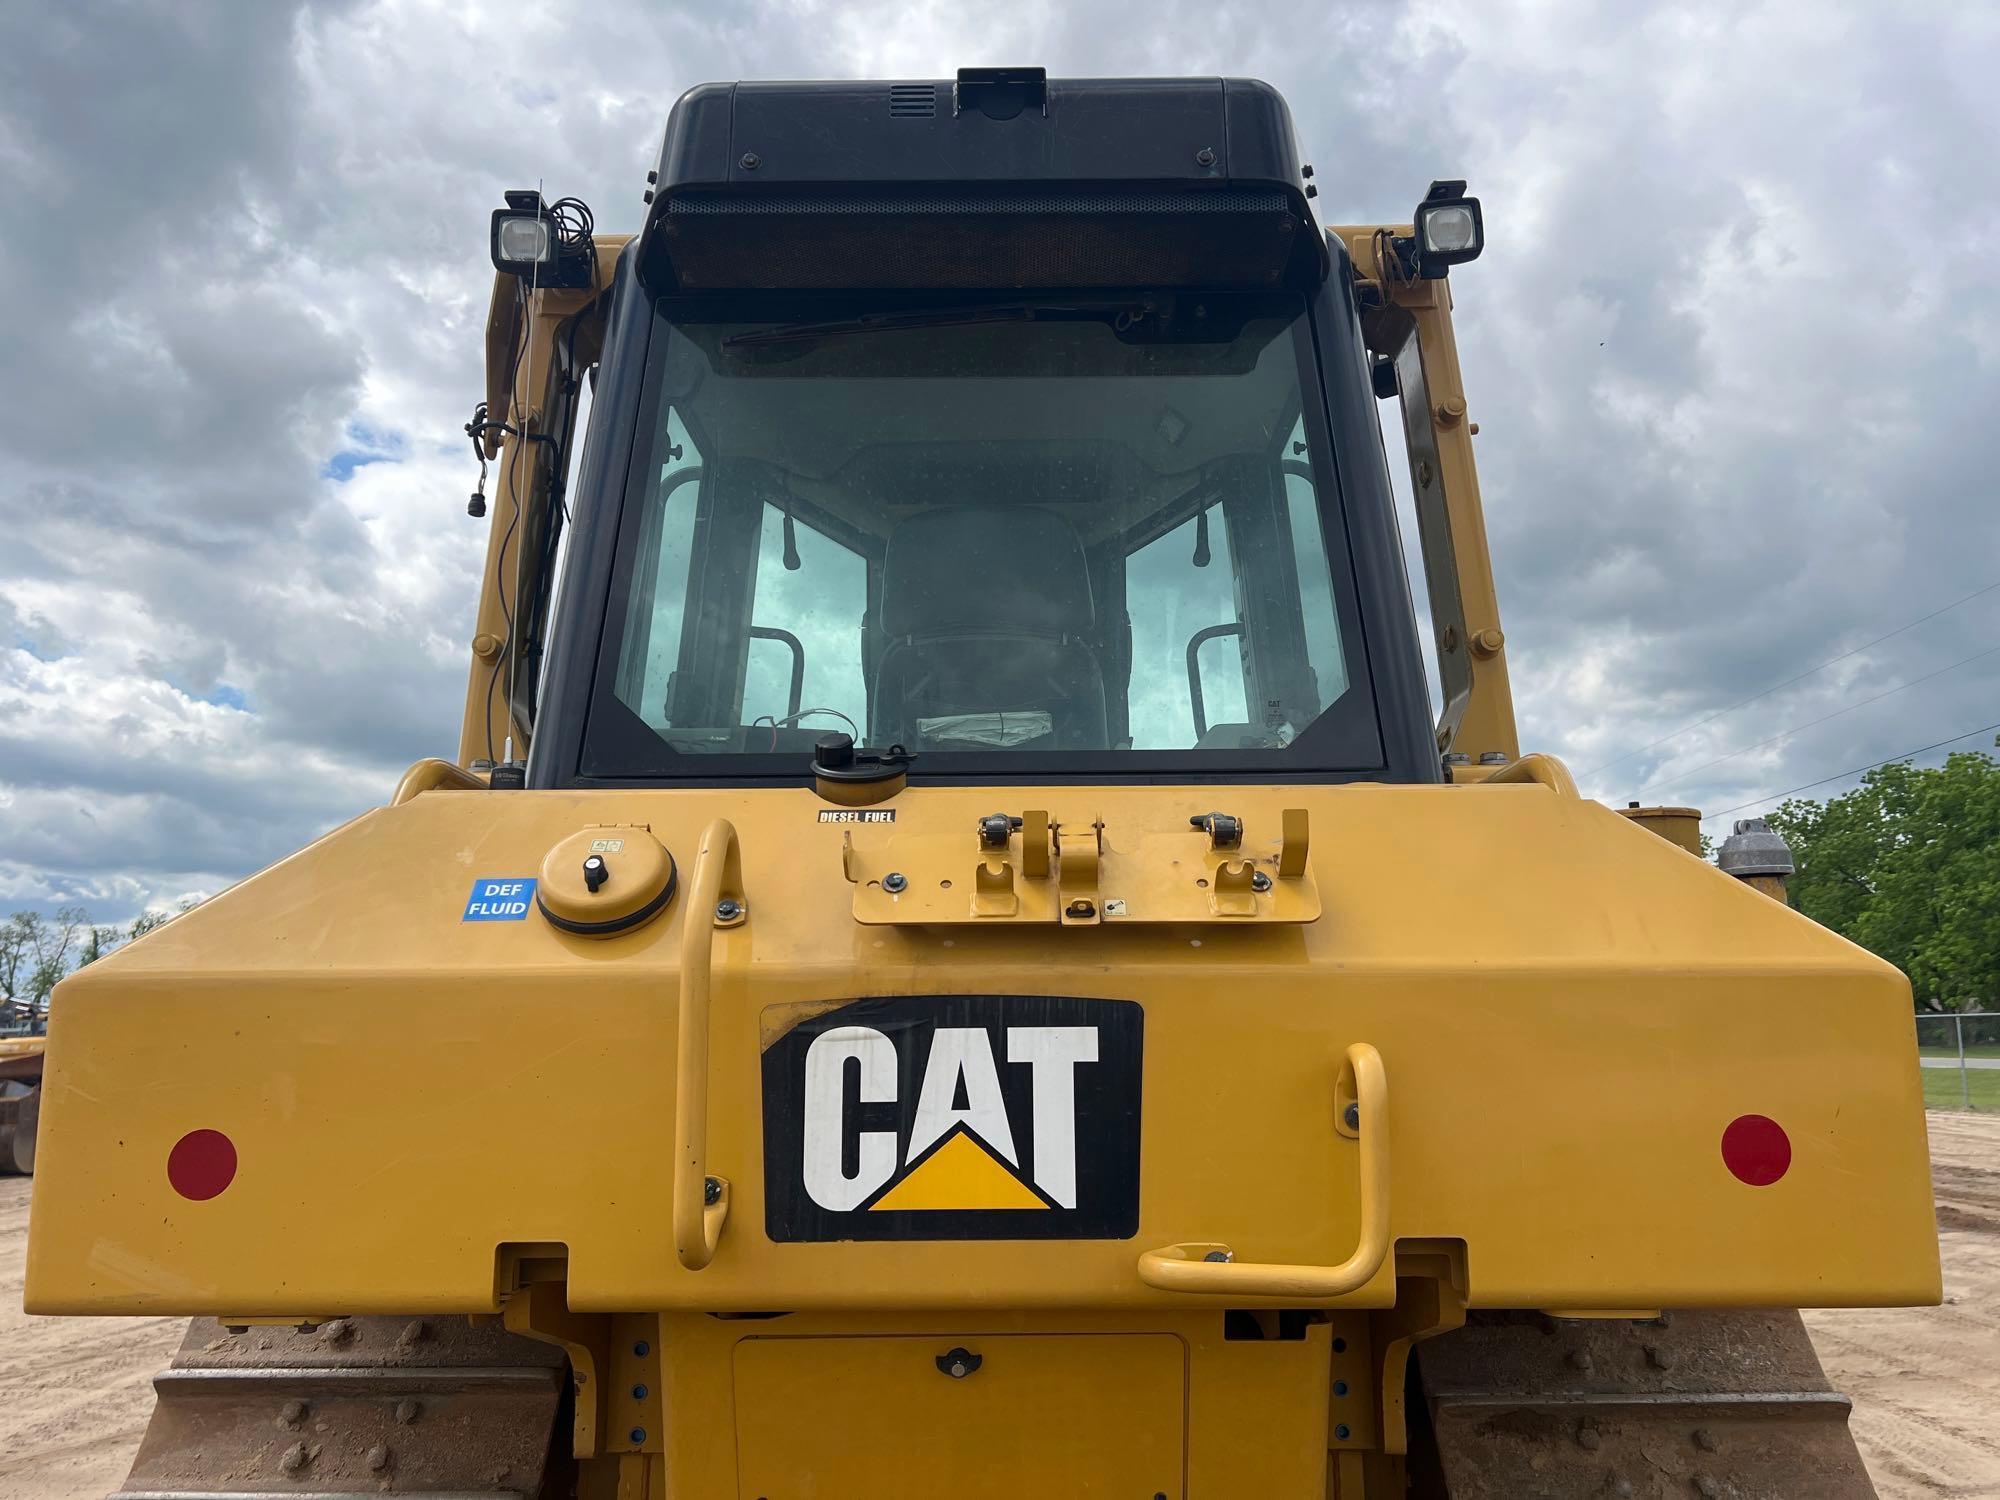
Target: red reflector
(1756, 1149)
(202, 1164)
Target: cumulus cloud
(1732, 350)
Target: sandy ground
(74, 1392)
(1926, 1381)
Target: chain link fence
(1961, 1060)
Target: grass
(1942, 1089)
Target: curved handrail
(785, 638)
(435, 775)
(701, 1202)
(1190, 1268)
(1195, 642)
(1545, 770)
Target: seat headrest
(986, 568)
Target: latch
(1078, 853)
(1030, 867)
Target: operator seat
(990, 638)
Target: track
(75, 1393)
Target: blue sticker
(503, 900)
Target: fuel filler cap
(604, 881)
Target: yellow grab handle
(1208, 1267)
(1544, 770)
(701, 1202)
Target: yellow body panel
(875, 1416)
(1569, 1012)
(1154, 1404)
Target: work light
(548, 244)
(519, 239)
(1449, 229)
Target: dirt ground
(1926, 1381)
(74, 1392)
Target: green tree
(16, 950)
(54, 944)
(1908, 865)
(97, 941)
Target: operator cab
(1019, 468)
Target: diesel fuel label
(857, 815)
(955, 1117)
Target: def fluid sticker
(505, 899)
(955, 1117)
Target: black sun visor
(999, 180)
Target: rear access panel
(1006, 1416)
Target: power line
(1686, 776)
(1872, 765)
(1779, 687)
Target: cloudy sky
(1733, 351)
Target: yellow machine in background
(988, 980)
(20, 1100)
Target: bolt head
(750, 161)
(895, 881)
(1205, 157)
(711, 1190)
(642, 1348)
(1082, 909)
(1342, 1432)
(1353, 1116)
(1216, 1255)
(637, 1434)
(728, 911)
(1259, 881)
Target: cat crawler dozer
(955, 956)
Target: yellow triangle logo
(959, 1174)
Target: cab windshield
(1086, 534)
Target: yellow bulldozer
(22, 1049)
(957, 955)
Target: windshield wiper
(1124, 312)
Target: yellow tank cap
(605, 880)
